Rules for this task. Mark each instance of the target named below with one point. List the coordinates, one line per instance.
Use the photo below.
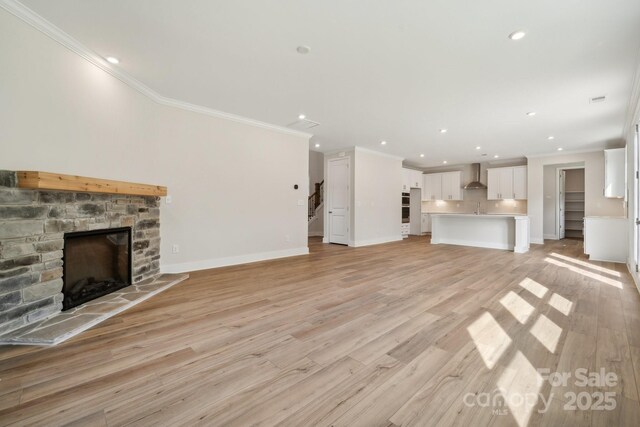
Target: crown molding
(38, 22)
(565, 153)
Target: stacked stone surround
(32, 228)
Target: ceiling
(388, 70)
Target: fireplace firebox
(96, 263)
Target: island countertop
(496, 215)
(496, 231)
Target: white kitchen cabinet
(605, 238)
(614, 173)
(442, 186)
(452, 185)
(520, 182)
(404, 229)
(411, 179)
(405, 180)
(507, 183)
(416, 179)
(432, 186)
(425, 226)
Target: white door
(636, 194)
(561, 231)
(338, 200)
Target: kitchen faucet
(477, 212)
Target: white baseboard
(550, 237)
(537, 241)
(232, 260)
(369, 242)
(316, 234)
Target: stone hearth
(32, 227)
(64, 325)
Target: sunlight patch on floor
(534, 287)
(517, 306)
(490, 339)
(586, 264)
(520, 391)
(560, 303)
(547, 332)
(586, 273)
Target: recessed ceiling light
(113, 59)
(421, 155)
(531, 113)
(444, 162)
(478, 147)
(443, 130)
(517, 35)
(302, 117)
(303, 49)
(496, 156)
(317, 145)
(383, 142)
(551, 137)
(559, 148)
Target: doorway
(570, 211)
(338, 199)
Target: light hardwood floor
(397, 334)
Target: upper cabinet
(432, 186)
(520, 182)
(442, 186)
(411, 179)
(507, 183)
(614, 172)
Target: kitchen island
(495, 231)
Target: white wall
(61, 113)
(595, 202)
(378, 197)
(375, 197)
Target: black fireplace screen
(95, 263)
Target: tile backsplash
(470, 204)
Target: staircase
(315, 201)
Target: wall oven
(406, 210)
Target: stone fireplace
(40, 230)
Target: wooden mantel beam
(58, 182)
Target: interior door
(561, 231)
(338, 200)
(637, 195)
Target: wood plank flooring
(397, 334)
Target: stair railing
(316, 199)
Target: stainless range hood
(475, 184)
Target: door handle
(330, 212)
